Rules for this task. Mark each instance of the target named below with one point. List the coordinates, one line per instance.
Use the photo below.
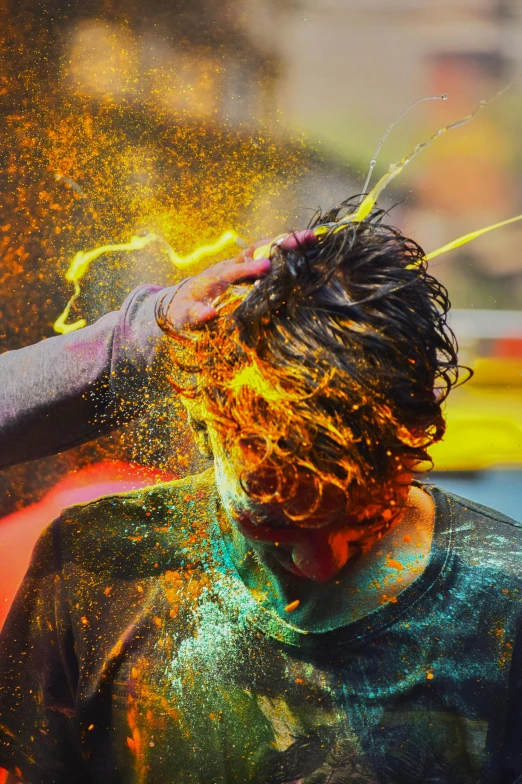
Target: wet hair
(333, 367)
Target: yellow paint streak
(370, 200)
(468, 237)
(60, 325)
(82, 261)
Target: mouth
(285, 560)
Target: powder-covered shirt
(134, 654)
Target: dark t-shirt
(135, 654)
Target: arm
(71, 388)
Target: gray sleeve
(71, 388)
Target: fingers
(186, 310)
(192, 304)
(249, 269)
(299, 239)
(213, 281)
(293, 241)
(248, 253)
(199, 313)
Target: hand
(191, 303)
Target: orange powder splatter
(393, 564)
(79, 173)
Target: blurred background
(190, 117)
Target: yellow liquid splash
(83, 260)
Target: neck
(374, 574)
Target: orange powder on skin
(393, 564)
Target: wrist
(162, 306)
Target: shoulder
(482, 537)
(138, 526)
(148, 503)
(466, 508)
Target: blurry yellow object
(492, 372)
(484, 420)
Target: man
(302, 612)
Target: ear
(201, 436)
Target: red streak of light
(20, 530)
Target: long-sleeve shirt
(71, 388)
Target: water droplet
(444, 97)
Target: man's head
(318, 383)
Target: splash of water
(369, 200)
(373, 161)
(82, 261)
